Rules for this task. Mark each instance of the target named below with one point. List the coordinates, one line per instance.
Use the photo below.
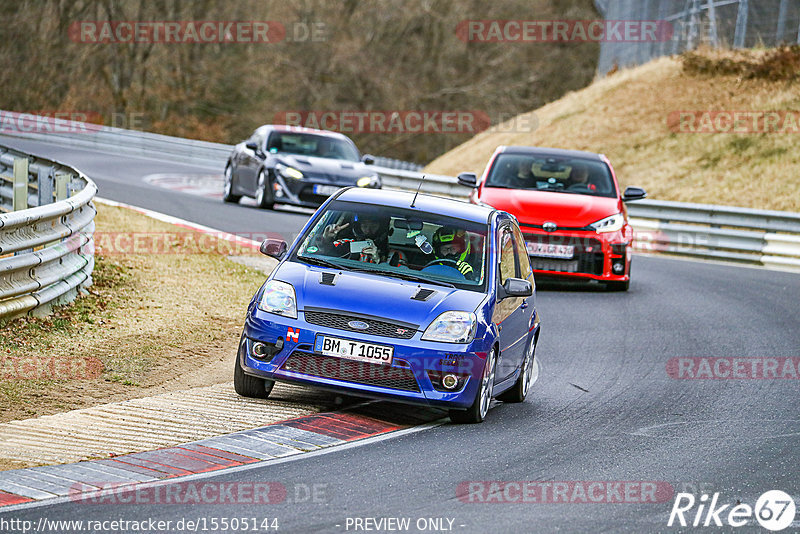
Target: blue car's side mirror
(274, 248)
(515, 287)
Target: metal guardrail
(760, 237)
(133, 142)
(46, 251)
(769, 238)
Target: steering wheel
(442, 261)
(579, 187)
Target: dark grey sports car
(300, 166)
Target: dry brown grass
(158, 322)
(625, 117)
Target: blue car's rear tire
(246, 385)
(477, 412)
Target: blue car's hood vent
(362, 294)
(328, 278)
(423, 294)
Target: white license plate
(325, 189)
(544, 250)
(353, 350)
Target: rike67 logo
(774, 510)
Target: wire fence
(730, 23)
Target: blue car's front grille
(351, 371)
(375, 328)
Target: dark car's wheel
(265, 196)
(477, 412)
(520, 389)
(246, 385)
(227, 188)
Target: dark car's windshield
(307, 144)
(404, 243)
(552, 173)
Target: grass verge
(156, 321)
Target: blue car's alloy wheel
(520, 389)
(477, 412)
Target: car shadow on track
(545, 284)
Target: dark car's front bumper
(310, 191)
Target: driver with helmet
(453, 246)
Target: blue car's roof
(426, 203)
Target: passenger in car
(523, 178)
(363, 227)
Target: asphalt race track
(604, 408)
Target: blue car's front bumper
(413, 376)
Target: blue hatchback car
(396, 296)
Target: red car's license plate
(544, 250)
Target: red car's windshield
(552, 173)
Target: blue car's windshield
(404, 243)
(307, 144)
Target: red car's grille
(587, 258)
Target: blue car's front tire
(477, 412)
(246, 385)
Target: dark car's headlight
(278, 297)
(289, 172)
(373, 181)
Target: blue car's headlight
(452, 327)
(278, 297)
(289, 172)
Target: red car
(569, 208)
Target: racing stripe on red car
(278, 440)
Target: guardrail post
(19, 198)
(62, 180)
(46, 184)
